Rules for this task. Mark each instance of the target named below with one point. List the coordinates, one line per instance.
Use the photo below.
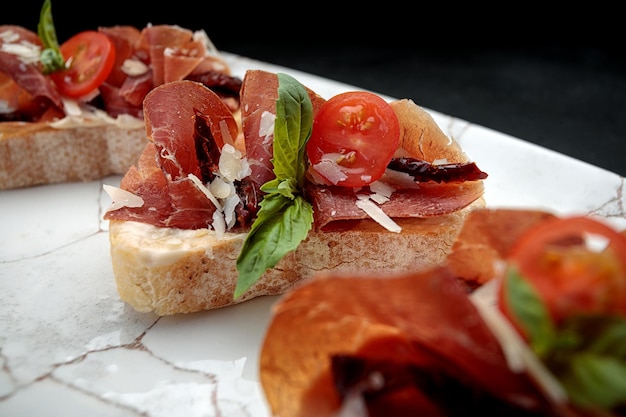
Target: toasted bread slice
(37, 153)
(170, 271)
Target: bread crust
(170, 271)
(37, 153)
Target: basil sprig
(586, 353)
(285, 217)
(51, 57)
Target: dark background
(555, 78)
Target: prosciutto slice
(426, 200)
(163, 176)
(170, 112)
(398, 339)
(145, 59)
(124, 38)
(167, 203)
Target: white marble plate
(69, 346)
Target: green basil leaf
(287, 187)
(589, 358)
(51, 57)
(595, 380)
(530, 311)
(281, 225)
(292, 129)
(285, 217)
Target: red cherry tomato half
(354, 136)
(90, 56)
(569, 276)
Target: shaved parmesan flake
(382, 188)
(5, 107)
(232, 165)
(399, 179)
(266, 126)
(26, 51)
(379, 198)
(518, 354)
(221, 189)
(205, 191)
(82, 115)
(330, 171)
(9, 36)
(134, 67)
(377, 214)
(71, 107)
(121, 198)
(353, 405)
(219, 225)
(229, 209)
(595, 243)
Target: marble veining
(70, 346)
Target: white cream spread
(162, 246)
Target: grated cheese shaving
(205, 190)
(595, 243)
(232, 165)
(379, 198)
(221, 191)
(81, 115)
(220, 188)
(330, 171)
(219, 224)
(26, 51)
(230, 204)
(376, 213)
(382, 188)
(266, 126)
(121, 198)
(134, 67)
(517, 353)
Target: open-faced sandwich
(73, 112)
(217, 212)
(526, 317)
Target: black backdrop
(555, 79)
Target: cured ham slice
(144, 59)
(259, 92)
(124, 38)
(164, 176)
(167, 203)
(419, 330)
(175, 136)
(486, 238)
(331, 204)
(172, 50)
(170, 113)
